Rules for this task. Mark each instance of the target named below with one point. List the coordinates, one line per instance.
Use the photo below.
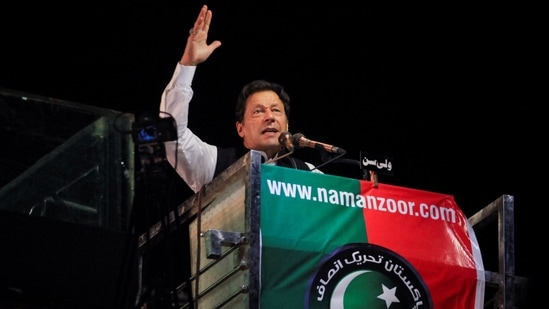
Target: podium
(274, 237)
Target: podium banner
(336, 242)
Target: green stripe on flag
(303, 217)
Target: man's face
(264, 120)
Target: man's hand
(197, 49)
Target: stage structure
(66, 195)
(258, 235)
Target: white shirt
(193, 159)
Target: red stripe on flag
(430, 231)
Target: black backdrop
(446, 89)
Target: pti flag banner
(334, 242)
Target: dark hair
(257, 86)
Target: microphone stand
(279, 157)
(326, 158)
(366, 175)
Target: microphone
(300, 141)
(285, 139)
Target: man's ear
(239, 129)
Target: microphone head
(285, 139)
(298, 140)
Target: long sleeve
(193, 159)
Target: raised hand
(197, 49)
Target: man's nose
(269, 115)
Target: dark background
(447, 89)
